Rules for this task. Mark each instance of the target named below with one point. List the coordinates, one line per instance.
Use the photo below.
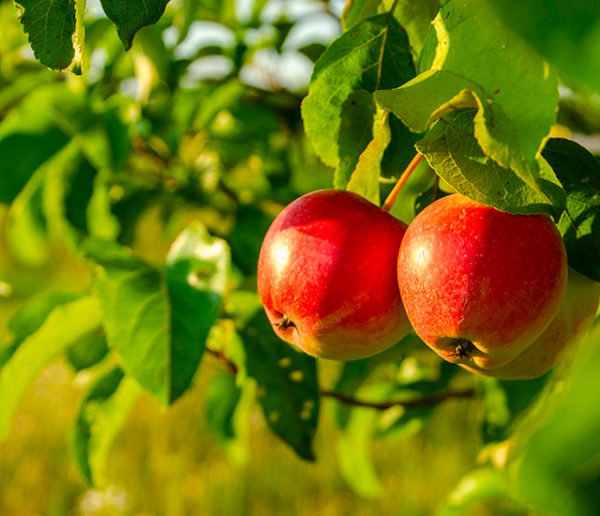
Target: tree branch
(423, 401)
(417, 402)
(233, 369)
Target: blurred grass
(167, 462)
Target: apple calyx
(463, 350)
(285, 323)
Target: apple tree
(148, 146)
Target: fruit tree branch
(349, 400)
(384, 405)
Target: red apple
(480, 285)
(327, 276)
(574, 318)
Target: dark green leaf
(374, 54)
(579, 172)
(18, 162)
(288, 391)
(131, 15)
(453, 152)
(102, 415)
(51, 28)
(246, 237)
(365, 178)
(356, 126)
(87, 351)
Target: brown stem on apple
(423, 401)
(391, 198)
(418, 402)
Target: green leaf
(415, 18)
(26, 229)
(482, 484)
(356, 126)
(374, 54)
(18, 162)
(453, 152)
(357, 10)
(37, 122)
(88, 351)
(158, 321)
(51, 27)
(579, 172)
(29, 317)
(221, 400)
(247, 235)
(567, 33)
(65, 325)
(365, 178)
(131, 15)
(101, 417)
(68, 188)
(471, 60)
(287, 387)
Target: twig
(418, 402)
(348, 400)
(391, 198)
(233, 369)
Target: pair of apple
(340, 278)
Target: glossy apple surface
(327, 276)
(480, 285)
(574, 318)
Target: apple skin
(480, 285)
(573, 320)
(327, 276)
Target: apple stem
(391, 198)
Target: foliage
(143, 163)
